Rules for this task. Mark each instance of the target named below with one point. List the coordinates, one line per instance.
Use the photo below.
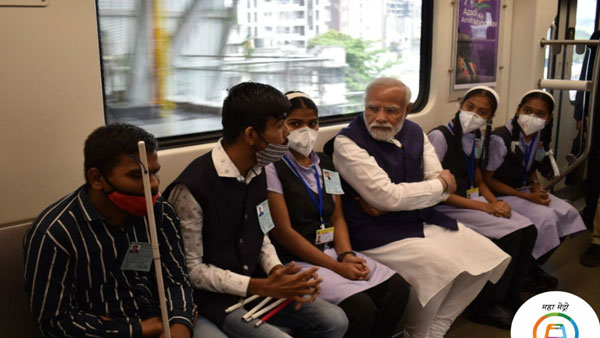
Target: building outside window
(167, 64)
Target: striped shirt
(73, 259)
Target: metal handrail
(565, 84)
(545, 42)
(591, 108)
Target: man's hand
(367, 208)
(151, 327)
(499, 208)
(448, 181)
(288, 282)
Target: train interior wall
(51, 99)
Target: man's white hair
(388, 82)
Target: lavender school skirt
(483, 223)
(335, 288)
(554, 221)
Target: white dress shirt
(373, 184)
(206, 276)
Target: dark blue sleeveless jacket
(231, 234)
(402, 165)
(454, 160)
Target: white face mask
(530, 123)
(470, 121)
(302, 140)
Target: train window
(584, 28)
(167, 64)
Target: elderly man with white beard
(392, 177)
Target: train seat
(15, 318)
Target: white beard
(386, 134)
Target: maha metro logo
(555, 314)
(556, 325)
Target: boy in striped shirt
(88, 257)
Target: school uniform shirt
(427, 263)
(204, 276)
(498, 150)
(554, 221)
(482, 222)
(74, 271)
(334, 288)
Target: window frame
(427, 11)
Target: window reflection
(168, 63)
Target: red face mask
(131, 203)
(134, 205)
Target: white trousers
(446, 270)
(435, 319)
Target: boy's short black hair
(105, 146)
(250, 104)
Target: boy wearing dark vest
(221, 199)
(391, 179)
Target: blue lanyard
(318, 205)
(470, 166)
(528, 149)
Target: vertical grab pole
(154, 240)
(591, 108)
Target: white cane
(154, 240)
(248, 316)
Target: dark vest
(304, 215)
(231, 234)
(454, 160)
(402, 165)
(512, 169)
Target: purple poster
(477, 42)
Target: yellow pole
(162, 62)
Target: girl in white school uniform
(460, 146)
(516, 150)
(304, 201)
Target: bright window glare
(167, 64)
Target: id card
(332, 181)
(138, 257)
(473, 193)
(513, 146)
(478, 148)
(540, 154)
(264, 217)
(324, 236)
